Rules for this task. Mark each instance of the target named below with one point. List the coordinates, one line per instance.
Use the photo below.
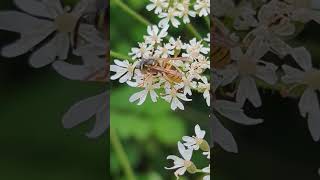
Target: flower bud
(192, 168)
(204, 146)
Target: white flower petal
(199, 133)
(247, 89)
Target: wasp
(162, 66)
(221, 44)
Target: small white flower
(170, 16)
(203, 6)
(205, 87)
(150, 87)
(143, 51)
(185, 12)
(194, 70)
(188, 84)
(194, 142)
(173, 95)
(123, 69)
(204, 63)
(165, 51)
(194, 49)
(154, 35)
(157, 5)
(177, 44)
(181, 164)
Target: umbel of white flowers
(184, 163)
(191, 68)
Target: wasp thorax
(312, 79)
(247, 67)
(66, 23)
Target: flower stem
(193, 30)
(206, 18)
(131, 12)
(121, 155)
(119, 56)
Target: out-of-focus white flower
(173, 96)
(195, 142)
(205, 87)
(206, 170)
(185, 11)
(93, 68)
(123, 69)
(170, 16)
(155, 35)
(308, 104)
(203, 7)
(181, 164)
(243, 14)
(247, 67)
(232, 111)
(83, 111)
(34, 30)
(157, 5)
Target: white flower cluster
(52, 33)
(186, 150)
(170, 68)
(171, 10)
(251, 62)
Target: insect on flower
(162, 66)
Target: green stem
(131, 12)
(119, 56)
(193, 30)
(121, 155)
(206, 18)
